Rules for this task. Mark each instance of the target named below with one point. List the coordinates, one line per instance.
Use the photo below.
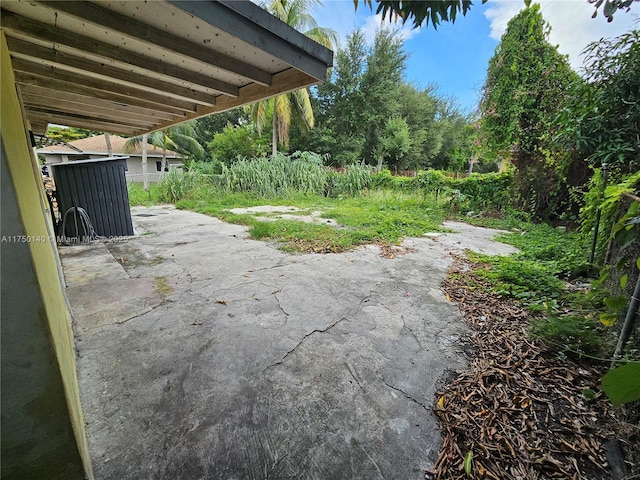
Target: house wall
(134, 165)
(42, 426)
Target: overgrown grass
(374, 217)
(566, 320)
(384, 209)
(138, 196)
(563, 252)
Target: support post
(145, 174)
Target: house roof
(130, 67)
(98, 145)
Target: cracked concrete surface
(203, 354)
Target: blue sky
(455, 57)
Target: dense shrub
(490, 190)
(237, 141)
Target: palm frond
(324, 36)
(259, 114)
(187, 144)
(303, 111)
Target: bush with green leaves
(386, 180)
(489, 190)
(609, 204)
(237, 142)
(433, 181)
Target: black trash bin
(98, 186)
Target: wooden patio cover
(130, 67)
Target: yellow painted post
(32, 208)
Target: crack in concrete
(286, 314)
(375, 464)
(405, 394)
(317, 330)
(404, 327)
(354, 374)
(222, 289)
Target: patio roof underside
(130, 67)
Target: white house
(96, 147)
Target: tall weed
(177, 185)
(282, 175)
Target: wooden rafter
(30, 51)
(20, 26)
(24, 66)
(89, 101)
(62, 86)
(149, 34)
(139, 66)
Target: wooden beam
(69, 87)
(93, 101)
(131, 27)
(24, 66)
(28, 50)
(81, 122)
(39, 128)
(65, 106)
(27, 28)
(257, 27)
(283, 82)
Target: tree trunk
(145, 174)
(380, 159)
(274, 134)
(163, 163)
(472, 162)
(107, 139)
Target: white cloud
(338, 15)
(374, 22)
(572, 27)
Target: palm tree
(294, 106)
(179, 138)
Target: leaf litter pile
(518, 412)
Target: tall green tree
(206, 127)
(601, 121)
(295, 106)
(382, 78)
(366, 90)
(340, 104)
(528, 82)
(393, 143)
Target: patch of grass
(567, 321)
(387, 216)
(564, 252)
(138, 196)
(518, 278)
(573, 335)
(303, 237)
(374, 217)
(162, 287)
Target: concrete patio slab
(203, 354)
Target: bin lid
(91, 160)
